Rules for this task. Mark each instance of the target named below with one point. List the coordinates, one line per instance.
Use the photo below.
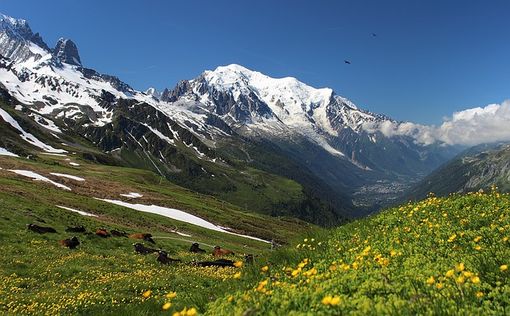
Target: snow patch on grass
(76, 211)
(132, 195)
(177, 215)
(38, 177)
(5, 152)
(68, 176)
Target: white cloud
(469, 127)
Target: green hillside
(479, 167)
(40, 276)
(435, 257)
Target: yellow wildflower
(264, 268)
(431, 280)
(335, 300)
(467, 274)
(326, 300)
(166, 306)
(475, 279)
(171, 295)
(449, 273)
(477, 238)
(479, 294)
(503, 267)
(331, 300)
(238, 264)
(147, 293)
(460, 267)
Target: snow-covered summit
(7, 22)
(293, 102)
(153, 92)
(288, 91)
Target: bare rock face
(67, 52)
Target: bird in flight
(347, 62)
(374, 35)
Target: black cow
(164, 259)
(70, 243)
(40, 229)
(141, 249)
(195, 247)
(216, 263)
(75, 229)
(248, 259)
(117, 233)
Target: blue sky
(429, 59)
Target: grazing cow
(216, 263)
(75, 229)
(220, 252)
(141, 249)
(40, 229)
(146, 237)
(116, 233)
(248, 259)
(70, 243)
(101, 232)
(195, 247)
(164, 259)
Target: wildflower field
(438, 256)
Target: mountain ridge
(193, 126)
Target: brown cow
(164, 259)
(146, 237)
(101, 232)
(195, 247)
(220, 252)
(70, 243)
(40, 229)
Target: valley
(237, 193)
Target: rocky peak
(66, 52)
(153, 92)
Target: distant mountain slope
(477, 168)
(231, 132)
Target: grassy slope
(246, 187)
(378, 265)
(396, 262)
(38, 275)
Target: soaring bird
(374, 35)
(347, 62)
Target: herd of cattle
(140, 248)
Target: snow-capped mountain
(225, 116)
(242, 97)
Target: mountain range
(271, 145)
(478, 168)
